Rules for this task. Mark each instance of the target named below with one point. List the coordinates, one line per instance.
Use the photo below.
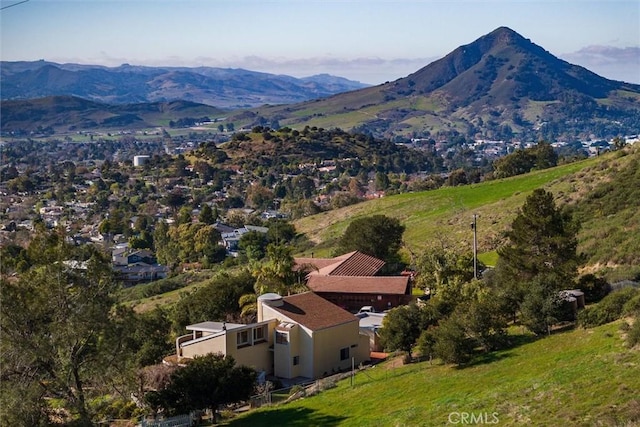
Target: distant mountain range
(63, 114)
(126, 84)
(501, 86)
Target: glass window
(282, 337)
(243, 338)
(296, 360)
(344, 353)
(259, 334)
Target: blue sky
(367, 40)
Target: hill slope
(609, 238)
(497, 86)
(64, 113)
(583, 377)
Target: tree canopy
(541, 240)
(540, 156)
(539, 260)
(61, 335)
(378, 235)
(204, 383)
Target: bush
(633, 333)
(632, 307)
(611, 308)
(426, 343)
(594, 288)
(451, 342)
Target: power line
(11, 5)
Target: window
(344, 353)
(296, 360)
(282, 337)
(259, 334)
(243, 338)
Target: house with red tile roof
(301, 335)
(351, 281)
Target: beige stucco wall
(205, 345)
(329, 342)
(283, 353)
(319, 351)
(256, 355)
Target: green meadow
(444, 215)
(575, 378)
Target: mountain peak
(505, 34)
(501, 37)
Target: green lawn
(580, 377)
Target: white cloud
(608, 61)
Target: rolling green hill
(443, 216)
(577, 378)
(64, 114)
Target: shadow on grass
(512, 341)
(516, 340)
(290, 417)
(486, 358)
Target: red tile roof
(387, 285)
(313, 311)
(351, 264)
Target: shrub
(611, 308)
(594, 288)
(296, 389)
(633, 333)
(632, 307)
(451, 342)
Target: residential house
(249, 345)
(300, 335)
(314, 337)
(136, 266)
(122, 255)
(231, 239)
(140, 272)
(351, 281)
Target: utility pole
(475, 247)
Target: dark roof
(351, 264)
(394, 285)
(313, 311)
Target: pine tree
(539, 261)
(542, 240)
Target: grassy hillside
(444, 215)
(582, 377)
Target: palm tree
(248, 306)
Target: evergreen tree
(204, 383)
(539, 260)
(542, 240)
(403, 325)
(207, 216)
